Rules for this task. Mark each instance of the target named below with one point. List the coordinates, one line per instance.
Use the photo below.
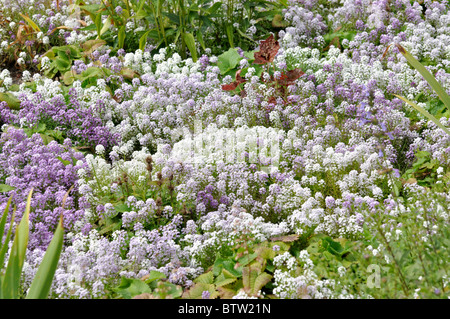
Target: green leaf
(62, 65)
(129, 288)
(229, 30)
(200, 40)
(427, 75)
(12, 102)
(121, 37)
(105, 26)
(10, 286)
(6, 188)
(65, 162)
(143, 40)
(225, 278)
(31, 23)
(228, 61)
(69, 77)
(206, 278)
(154, 275)
(4, 245)
(195, 292)
(121, 208)
(90, 73)
(425, 113)
(190, 43)
(40, 287)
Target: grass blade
(40, 287)
(11, 283)
(425, 113)
(427, 75)
(4, 247)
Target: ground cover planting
(205, 149)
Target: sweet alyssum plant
(10, 276)
(445, 98)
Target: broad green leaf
(92, 8)
(92, 45)
(262, 280)
(229, 60)
(122, 208)
(69, 77)
(196, 291)
(6, 188)
(129, 288)
(62, 65)
(190, 43)
(225, 278)
(11, 100)
(206, 278)
(40, 287)
(425, 113)
(154, 275)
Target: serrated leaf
(226, 293)
(206, 278)
(196, 291)
(225, 278)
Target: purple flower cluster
(27, 163)
(79, 124)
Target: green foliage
(248, 268)
(152, 286)
(10, 277)
(187, 25)
(61, 59)
(10, 99)
(443, 96)
(423, 170)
